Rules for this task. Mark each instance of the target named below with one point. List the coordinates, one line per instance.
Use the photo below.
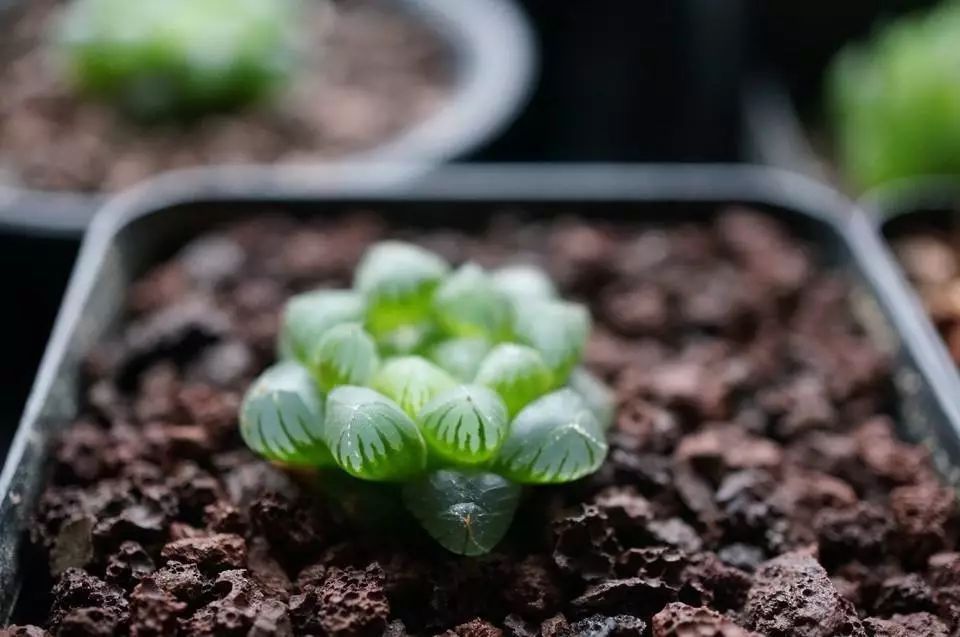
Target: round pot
(494, 62)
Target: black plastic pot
(915, 203)
(494, 59)
(774, 134)
(890, 212)
(139, 228)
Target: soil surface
(374, 74)
(755, 483)
(932, 262)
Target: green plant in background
(895, 101)
(177, 58)
(459, 386)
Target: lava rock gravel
(755, 483)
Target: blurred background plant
(861, 95)
(894, 100)
(165, 58)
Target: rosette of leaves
(460, 385)
(160, 59)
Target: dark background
(638, 80)
(795, 40)
(620, 80)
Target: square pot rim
(716, 185)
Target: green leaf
(523, 283)
(398, 279)
(412, 382)
(467, 513)
(894, 100)
(407, 339)
(371, 438)
(556, 329)
(282, 417)
(345, 355)
(554, 439)
(596, 394)
(465, 425)
(467, 304)
(460, 356)
(517, 373)
(308, 316)
(176, 59)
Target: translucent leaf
(407, 339)
(556, 329)
(554, 439)
(370, 437)
(467, 513)
(465, 425)
(308, 316)
(523, 283)
(412, 382)
(517, 373)
(468, 304)
(282, 417)
(345, 355)
(398, 280)
(460, 356)
(596, 394)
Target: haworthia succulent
(460, 356)
(308, 316)
(467, 513)
(371, 437)
(176, 59)
(344, 355)
(555, 439)
(424, 370)
(282, 417)
(407, 339)
(465, 425)
(556, 329)
(524, 283)
(517, 373)
(398, 280)
(412, 382)
(468, 304)
(598, 396)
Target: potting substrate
(755, 483)
(376, 72)
(926, 245)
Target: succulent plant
(165, 58)
(895, 101)
(460, 385)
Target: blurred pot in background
(93, 104)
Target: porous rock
(792, 595)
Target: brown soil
(755, 484)
(932, 262)
(378, 74)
